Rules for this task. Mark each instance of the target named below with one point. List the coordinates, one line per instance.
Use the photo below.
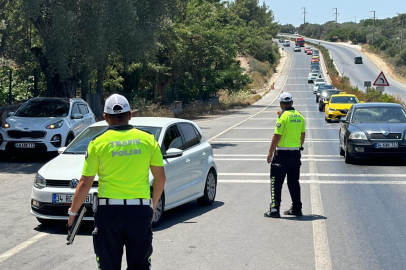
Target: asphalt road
(354, 215)
(343, 56)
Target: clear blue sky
(290, 11)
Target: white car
(317, 83)
(297, 49)
(191, 172)
(313, 76)
(44, 125)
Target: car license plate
(68, 198)
(386, 145)
(25, 145)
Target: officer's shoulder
(98, 136)
(280, 115)
(144, 134)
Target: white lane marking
(320, 241)
(272, 128)
(268, 141)
(236, 125)
(20, 247)
(324, 175)
(264, 159)
(247, 155)
(323, 182)
(273, 118)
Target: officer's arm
(302, 138)
(275, 141)
(159, 182)
(81, 192)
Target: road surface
(354, 215)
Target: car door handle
(204, 153)
(187, 160)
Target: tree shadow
(222, 145)
(305, 217)
(183, 213)
(387, 161)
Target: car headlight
(6, 125)
(39, 181)
(358, 136)
(55, 125)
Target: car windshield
(44, 108)
(319, 80)
(379, 115)
(326, 86)
(79, 144)
(315, 74)
(328, 94)
(343, 100)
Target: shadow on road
(305, 218)
(380, 161)
(222, 145)
(184, 213)
(24, 164)
(59, 227)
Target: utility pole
(373, 31)
(336, 15)
(304, 20)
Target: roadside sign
(381, 80)
(380, 88)
(367, 83)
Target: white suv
(44, 125)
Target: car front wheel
(348, 158)
(210, 190)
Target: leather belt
(124, 202)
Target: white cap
(285, 97)
(118, 102)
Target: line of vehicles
(367, 129)
(66, 126)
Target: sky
(290, 11)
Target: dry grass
(153, 111)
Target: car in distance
(297, 49)
(317, 83)
(281, 40)
(314, 60)
(306, 49)
(309, 52)
(191, 173)
(320, 88)
(43, 125)
(339, 105)
(358, 60)
(313, 76)
(324, 95)
(287, 43)
(373, 129)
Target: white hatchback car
(191, 172)
(44, 125)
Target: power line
(304, 20)
(373, 31)
(336, 15)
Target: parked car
(44, 125)
(191, 173)
(358, 60)
(373, 129)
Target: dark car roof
(48, 99)
(376, 104)
(358, 57)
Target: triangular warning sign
(381, 80)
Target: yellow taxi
(339, 105)
(316, 56)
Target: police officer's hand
(70, 221)
(269, 158)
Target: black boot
(273, 213)
(294, 212)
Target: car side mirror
(61, 150)
(10, 114)
(173, 153)
(77, 116)
(343, 120)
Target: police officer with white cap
(122, 157)
(284, 156)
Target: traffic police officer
(284, 153)
(122, 157)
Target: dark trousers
(117, 226)
(285, 163)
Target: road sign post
(367, 84)
(381, 89)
